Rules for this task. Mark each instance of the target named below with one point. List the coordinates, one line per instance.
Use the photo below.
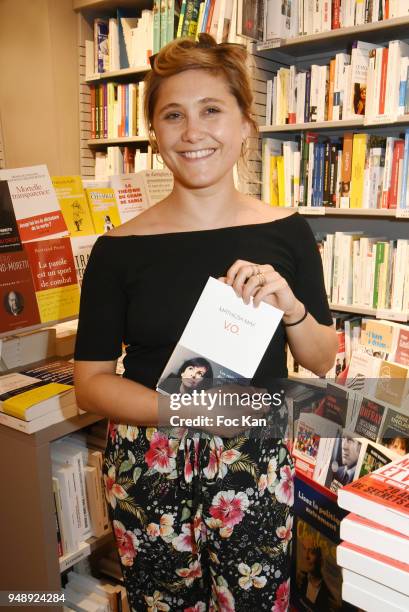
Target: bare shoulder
(264, 212)
(145, 223)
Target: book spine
(402, 203)
(384, 71)
(398, 152)
(335, 18)
(156, 25)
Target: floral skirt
(201, 523)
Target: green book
(379, 259)
(156, 25)
(181, 19)
(163, 23)
(188, 17)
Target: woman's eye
(212, 110)
(172, 116)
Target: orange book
(384, 71)
(331, 89)
(382, 496)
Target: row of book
(124, 160)
(288, 19)
(79, 492)
(84, 592)
(358, 171)
(47, 231)
(366, 272)
(371, 82)
(116, 110)
(129, 39)
(374, 553)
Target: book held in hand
(225, 336)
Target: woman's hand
(264, 284)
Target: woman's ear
(245, 129)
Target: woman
(193, 375)
(201, 523)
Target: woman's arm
(99, 390)
(314, 346)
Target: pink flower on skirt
(282, 597)
(161, 454)
(127, 543)
(284, 491)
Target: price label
(402, 213)
(270, 44)
(392, 315)
(311, 210)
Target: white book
(356, 100)
(387, 173)
(314, 92)
(308, 16)
(231, 327)
(366, 600)
(113, 42)
(142, 130)
(397, 50)
(35, 203)
(360, 12)
(81, 601)
(347, 93)
(95, 459)
(280, 23)
(89, 59)
(341, 60)
(65, 476)
(402, 9)
(375, 10)
(83, 588)
(322, 90)
(404, 66)
(94, 500)
(274, 101)
(296, 175)
(300, 103)
(39, 423)
(317, 17)
(269, 101)
(378, 589)
(69, 454)
(373, 536)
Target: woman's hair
(226, 59)
(197, 362)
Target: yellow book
(74, 205)
(274, 201)
(103, 207)
(36, 402)
(281, 183)
(359, 152)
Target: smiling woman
(202, 522)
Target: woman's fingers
(269, 290)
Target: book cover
(372, 457)
(17, 292)
(55, 279)
(402, 347)
(231, 327)
(36, 207)
(369, 419)
(136, 192)
(382, 496)
(81, 250)
(312, 435)
(103, 207)
(391, 386)
(9, 236)
(395, 431)
(316, 537)
(73, 204)
(38, 401)
(344, 460)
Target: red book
(335, 18)
(382, 496)
(376, 538)
(210, 17)
(386, 14)
(398, 152)
(18, 304)
(384, 70)
(402, 348)
(379, 568)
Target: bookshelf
(335, 40)
(30, 547)
(104, 142)
(304, 51)
(125, 73)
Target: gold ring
(261, 279)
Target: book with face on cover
(223, 341)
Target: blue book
(307, 97)
(404, 188)
(206, 15)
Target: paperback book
(222, 344)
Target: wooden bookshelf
(378, 32)
(139, 71)
(85, 549)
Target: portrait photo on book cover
(318, 579)
(343, 462)
(187, 371)
(13, 303)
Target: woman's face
(199, 128)
(192, 376)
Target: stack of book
(375, 552)
(38, 397)
(85, 592)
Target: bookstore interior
(330, 81)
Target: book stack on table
(374, 553)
